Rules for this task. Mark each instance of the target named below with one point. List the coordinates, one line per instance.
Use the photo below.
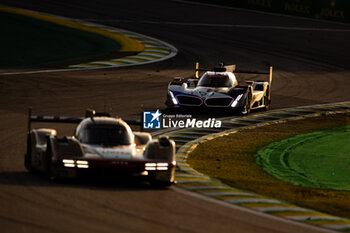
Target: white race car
(219, 89)
(101, 145)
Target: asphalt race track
(311, 66)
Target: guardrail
(336, 10)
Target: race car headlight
(235, 102)
(150, 166)
(68, 163)
(75, 163)
(173, 99)
(162, 166)
(156, 166)
(82, 164)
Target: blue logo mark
(151, 120)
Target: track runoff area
(318, 160)
(54, 43)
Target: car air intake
(189, 100)
(218, 102)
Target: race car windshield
(215, 81)
(107, 135)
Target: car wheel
(246, 108)
(160, 184)
(162, 181)
(267, 101)
(28, 162)
(48, 154)
(28, 156)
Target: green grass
(30, 43)
(320, 159)
(232, 159)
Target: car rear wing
(258, 72)
(74, 120)
(232, 68)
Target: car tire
(246, 108)
(160, 184)
(28, 162)
(163, 183)
(28, 156)
(267, 101)
(48, 154)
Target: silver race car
(219, 89)
(101, 145)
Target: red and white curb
(188, 178)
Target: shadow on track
(120, 183)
